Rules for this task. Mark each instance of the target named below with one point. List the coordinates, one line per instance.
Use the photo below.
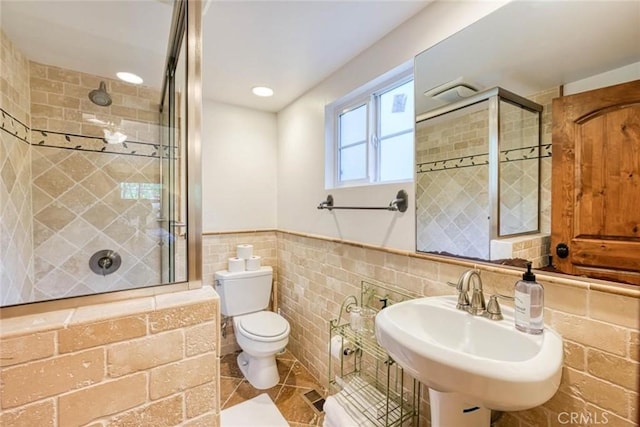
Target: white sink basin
(487, 361)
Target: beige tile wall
(519, 169)
(60, 103)
(453, 203)
(16, 241)
(79, 205)
(452, 209)
(599, 321)
(142, 362)
(545, 99)
(14, 81)
(531, 247)
(457, 134)
(79, 208)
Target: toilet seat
(264, 326)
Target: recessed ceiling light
(262, 91)
(129, 77)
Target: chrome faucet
(477, 306)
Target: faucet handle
(493, 310)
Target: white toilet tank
(243, 292)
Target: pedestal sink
(471, 364)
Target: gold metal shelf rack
(367, 380)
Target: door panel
(596, 182)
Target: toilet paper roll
(244, 251)
(253, 263)
(340, 347)
(235, 265)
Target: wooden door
(596, 183)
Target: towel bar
(399, 204)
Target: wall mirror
(483, 168)
(93, 166)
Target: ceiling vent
(452, 91)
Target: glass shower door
(172, 203)
(167, 243)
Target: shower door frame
(187, 15)
(169, 156)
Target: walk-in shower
(84, 214)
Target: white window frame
(365, 95)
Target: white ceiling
(287, 45)
(96, 37)
(528, 46)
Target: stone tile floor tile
(295, 380)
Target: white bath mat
(257, 412)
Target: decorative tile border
(512, 155)
(458, 162)
(45, 138)
(14, 127)
(525, 153)
(97, 145)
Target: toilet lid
(264, 324)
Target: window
(140, 190)
(370, 133)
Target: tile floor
(295, 380)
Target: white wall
(301, 137)
(239, 166)
(619, 75)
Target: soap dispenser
(529, 304)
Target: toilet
(261, 334)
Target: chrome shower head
(100, 96)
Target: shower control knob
(562, 250)
(105, 262)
